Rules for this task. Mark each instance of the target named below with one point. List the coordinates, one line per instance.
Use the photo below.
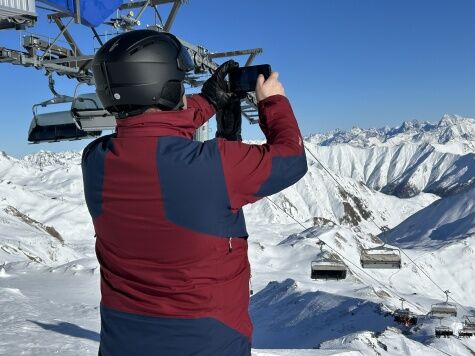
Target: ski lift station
(86, 118)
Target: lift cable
(381, 229)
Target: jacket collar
(158, 123)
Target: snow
(415, 180)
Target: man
(171, 236)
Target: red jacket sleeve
(255, 171)
(204, 110)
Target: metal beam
(67, 35)
(72, 59)
(63, 29)
(98, 38)
(250, 59)
(77, 14)
(24, 59)
(171, 16)
(254, 51)
(33, 43)
(136, 4)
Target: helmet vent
(136, 49)
(148, 44)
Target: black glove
(216, 88)
(229, 120)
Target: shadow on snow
(284, 317)
(69, 329)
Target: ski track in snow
(49, 285)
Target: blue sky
(343, 63)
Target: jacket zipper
(230, 245)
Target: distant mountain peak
(44, 158)
(451, 119)
(450, 128)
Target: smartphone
(244, 79)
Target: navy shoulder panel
(92, 163)
(193, 187)
(285, 171)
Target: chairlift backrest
(90, 115)
(327, 266)
(54, 118)
(442, 310)
(381, 257)
(88, 101)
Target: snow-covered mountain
(453, 133)
(444, 221)
(404, 161)
(416, 180)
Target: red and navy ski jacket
(171, 236)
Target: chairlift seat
(444, 331)
(443, 310)
(381, 257)
(56, 126)
(90, 114)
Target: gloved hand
(229, 121)
(216, 88)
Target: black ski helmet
(139, 69)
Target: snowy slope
(295, 311)
(444, 221)
(318, 200)
(47, 187)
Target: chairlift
(381, 257)
(445, 309)
(404, 315)
(444, 331)
(55, 126)
(468, 328)
(89, 113)
(327, 266)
